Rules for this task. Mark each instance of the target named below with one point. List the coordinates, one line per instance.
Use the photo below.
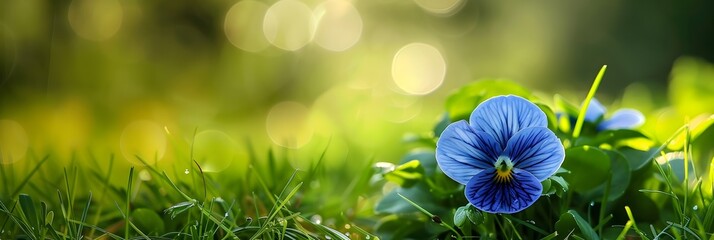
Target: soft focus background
(87, 78)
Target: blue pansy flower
(501, 155)
(622, 119)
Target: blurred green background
(93, 77)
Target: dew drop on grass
(347, 226)
(144, 175)
(367, 237)
(531, 222)
(592, 204)
(695, 208)
(186, 171)
(317, 219)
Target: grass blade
(27, 178)
(584, 108)
(127, 223)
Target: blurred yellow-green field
(78, 73)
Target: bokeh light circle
(214, 150)
(339, 25)
(441, 7)
(288, 125)
(144, 139)
(243, 25)
(13, 141)
(289, 25)
(418, 68)
(95, 19)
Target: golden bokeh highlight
(95, 20)
(143, 139)
(214, 150)
(243, 25)
(289, 25)
(339, 25)
(13, 141)
(441, 7)
(418, 69)
(288, 125)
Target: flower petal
(503, 116)
(595, 111)
(461, 151)
(536, 150)
(623, 119)
(489, 195)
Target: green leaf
(407, 174)
(550, 115)
(560, 186)
(147, 220)
(469, 213)
(589, 167)
(28, 210)
(547, 190)
(674, 164)
(460, 104)
(427, 159)
(620, 176)
(637, 159)
(179, 208)
(609, 136)
(460, 217)
(571, 221)
(50, 217)
(562, 170)
(475, 216)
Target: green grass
(270, 202)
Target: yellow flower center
(503, 176)
(503, 169)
